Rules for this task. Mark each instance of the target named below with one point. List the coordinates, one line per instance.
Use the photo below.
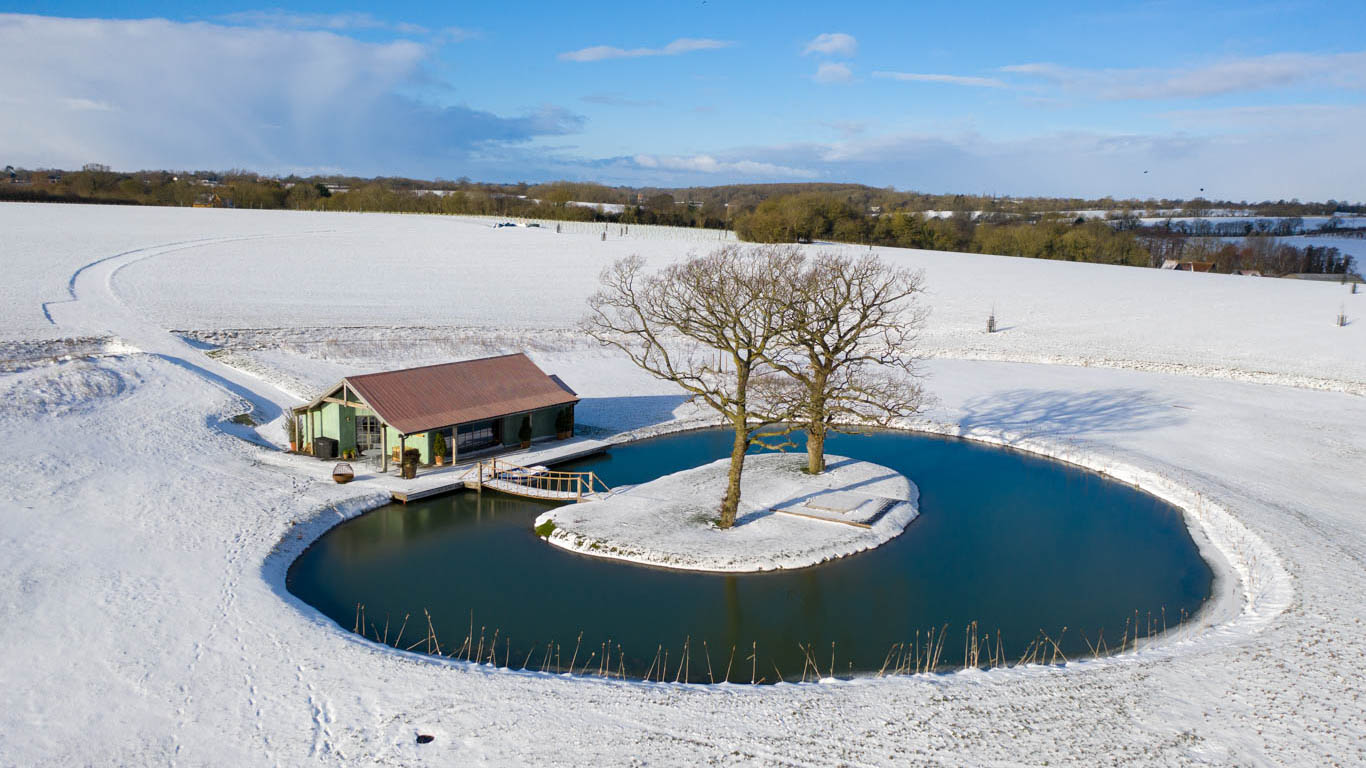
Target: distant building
(1188, 266)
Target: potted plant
(524, 433)
(439, 449)
(408, 469)
(292, 430)
(564, 424)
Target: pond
(1021, 545)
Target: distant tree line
(1266, 255)
(1035, 227)
(814, 216)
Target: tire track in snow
(94, 306)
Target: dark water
(1015, 543)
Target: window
(476, 436)
(368, 435)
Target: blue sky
(1248, 100)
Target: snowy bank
(787, 518)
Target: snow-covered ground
(144, 548)
(787, 519)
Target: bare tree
(850, 346)
(708, 324)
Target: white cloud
(833, 72)
(679, 46)
(336, 22)
(832, 44)
(966, 80)
(86, 105)
(347, 21)
(710, 165)
(1255, 73)
(274, 100)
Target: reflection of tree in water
(1028, 413)
(389, 529)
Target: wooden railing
(536, 482)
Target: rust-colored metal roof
(435, 396)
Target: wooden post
(455, 445)
(384, 444)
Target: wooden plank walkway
(536, 482)
(434, 481)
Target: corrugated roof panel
(434, 396)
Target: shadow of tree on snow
(1032, 413)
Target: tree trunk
(730, 503)
(815, 448)
(815, 425)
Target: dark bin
(324, 448)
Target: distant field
(282, 270)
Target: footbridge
(535, 482)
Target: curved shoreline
(1251, 585)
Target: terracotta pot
(293, 447)
(526, 444)
(440, 461)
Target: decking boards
(436, 481)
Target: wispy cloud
(833, 72)
(1254, 73)
(348, 21)
(617, 100)
(832, 44)
(965, 80)
(709, 164)
(1093, 163)
(680, 46)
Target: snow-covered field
(144, 617)
(787, 519)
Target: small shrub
(439, 445)
(564, 421)
(524, 433)
(544, 529)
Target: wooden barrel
(342, 473)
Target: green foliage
(564, 420)
(524, 432)
(439, 445)
(544, 529)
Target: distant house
(1188, 266)
(477, 406)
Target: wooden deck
(434, 481)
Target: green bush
(524, 433)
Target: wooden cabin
(477, 406)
